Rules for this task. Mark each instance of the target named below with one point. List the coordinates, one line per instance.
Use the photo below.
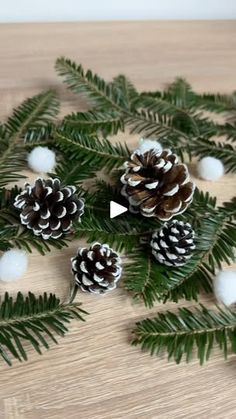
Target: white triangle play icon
(116, 209)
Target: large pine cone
(48, 209)
(173, 244)
(96, 269)
(156, 185)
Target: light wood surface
(94, 373)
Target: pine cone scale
(185, 195)
(178, 174)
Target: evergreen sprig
(179, 334)
(175, 115)
(215, 244)
(33, 113)
(34, 321)
(85, 82)
(225, 152)
(92, 151)
(93, 122)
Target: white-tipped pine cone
(173, 244)
(96, 269)
(156, 185)
(49, 209)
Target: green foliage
(154, 124)
(175, 115)
(225, 152)
(127, 90)
(92, 122)
(40, 135)
(34, 321)
(181, 94)
(32, 113)
(179, 334)
(216, 102)
(92, 151)
(215, 244)
(98, 91)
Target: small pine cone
(173, 244)
(48, 209)
(96, 269)
(156, 185)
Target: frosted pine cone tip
(49, 209)
(173, 244)
(156, 185)
(96, 269)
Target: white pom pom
(41, 159)
(210, 168)
(225, 287)
(13, 265)
(146, 145)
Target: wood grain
(95, 373)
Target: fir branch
(35, 321)
(42, 134)
(120, 236)
(72, 170)
(16, 235)
(228, 130)
(172, 115)
(127, 90)
(216, 102)
(91, 150)
(189, 121)
(229, 208)
(93, 122)
(33, 112)
(162, 106)
(180, 93)
(225, 152)
(179, 334)
(12, 161)
(143, 277)
(99, 92)
(216, 240)
(154, 124)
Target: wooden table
(94, 373)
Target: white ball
(13, 265)
(210, 168)
(225, 287)
(146, 145)
(41, 159)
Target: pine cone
(48, 209)
(156, 185)
(173, 244)
(96, 269)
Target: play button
(116, 209)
